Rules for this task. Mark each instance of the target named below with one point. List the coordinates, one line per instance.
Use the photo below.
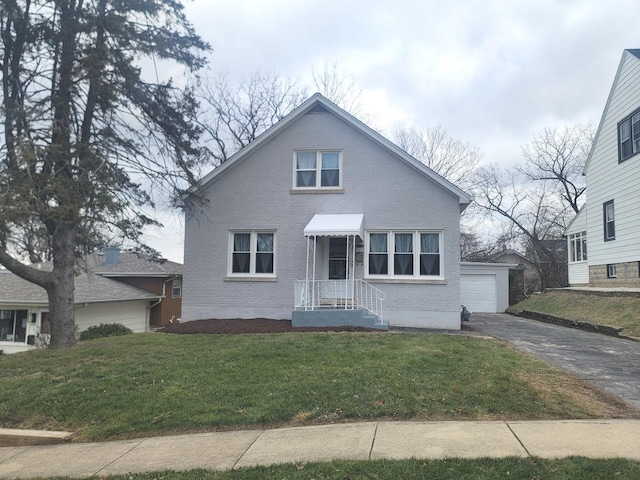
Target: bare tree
(342, 89)
(235, 114)
(455, 160)
(533, 212)
(559, 155)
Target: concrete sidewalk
(355, 441)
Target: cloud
(493, 73)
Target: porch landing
(329, 317)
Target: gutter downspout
(164, 290)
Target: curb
(10, 437)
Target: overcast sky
(491, 72)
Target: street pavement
(612, 364)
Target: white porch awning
(336, 225)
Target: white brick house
(609, 223)
(321, 213)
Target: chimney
(111, 255)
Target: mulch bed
(253, 325)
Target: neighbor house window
(611, 271)
(404, 254)
(629, 136)
(252, 253)
(317, 169)
(13, 325)
(578, 247)
(176, 288)
(609, 221)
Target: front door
(336, 289)
(338, 258)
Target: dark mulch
(254, 325)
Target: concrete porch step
(336, 317)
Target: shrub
(105, 330)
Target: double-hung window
(629, 136)
(404, 254)
(317, 169)
(578, 247)
(176, 288)
(609, 220)
(252, 253)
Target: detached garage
(484, 287)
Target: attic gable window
(629, 136)
(321, 169)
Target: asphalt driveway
(613, 364)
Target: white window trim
(318, 185)
(252, 256)
(575, 239)
(612, 271)
(416, 257)
(179, 288)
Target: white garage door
(478, 292)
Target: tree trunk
(61, 289)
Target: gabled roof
(89, 288)
(575, 219)
(319, 101)
(636, 54)
(132, 265)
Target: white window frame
(318, 170)
(612, 271)
(253, 250)
(416, 252)
(176, 291)
(578, 247)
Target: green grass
(615, 311)
(149, 384)
(575, 468)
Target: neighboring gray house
(609, 223)
(323, 220)
(24, 308)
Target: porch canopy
(335, 225)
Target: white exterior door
(336, 288)
(478, 292)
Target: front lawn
(149, 384)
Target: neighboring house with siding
(320, 220)
(156, 275)
(609, 223)
(24, 308)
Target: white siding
(609, 180)
(133, 314)
(256, 194)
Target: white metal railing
(339, 294)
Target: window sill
(297, 191)
(250, 279)
(417, 281)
